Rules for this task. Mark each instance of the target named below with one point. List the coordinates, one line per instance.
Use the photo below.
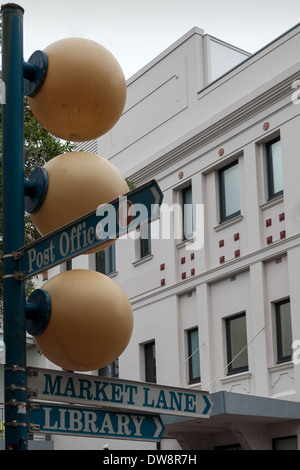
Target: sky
(136, 31)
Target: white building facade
(215, 287)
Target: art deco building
(215, 287)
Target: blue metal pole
(13, 228)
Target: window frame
(280, 357)
(191, 378)
(150, 362)
(69, 266)
(184, 191)
(222, 201)
(111, 370)
(270, 169)
(145, 242)
(108, 264)
(230, 369)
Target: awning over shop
(246, 417)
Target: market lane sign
(107, 222)
(94, 391)
(87, 422)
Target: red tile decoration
(162, 266)
(281, 217)
(162, 282)
(186, 263)
(275, 228)
(229, 247)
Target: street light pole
(15, 395)
(21, 78)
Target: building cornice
(230, 268)
(241, 114)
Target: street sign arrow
(108, 221)
(54, 419)
(208, 408)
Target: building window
(69, 265)
(236, 339)
(283, 331)
(145, 240)
(150, 362)
(274, 168)
(285, 443)
(229, 191)
(193, 355)
(112, 370)
(187, 212)
(106, 260)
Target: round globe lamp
(91, 321)
(84, 92)
(78, 183)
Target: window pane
(277, 167)
(111, 370)
(187, 204)
(194, 357)
(69, 265)
(285, 443)
(150, 362)
(111, 258)
(284, 331)
(232, 190)
(236, 334)
(100, 262)
(145, 240)
(106, 260)
(229, 189)
(274, 168)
